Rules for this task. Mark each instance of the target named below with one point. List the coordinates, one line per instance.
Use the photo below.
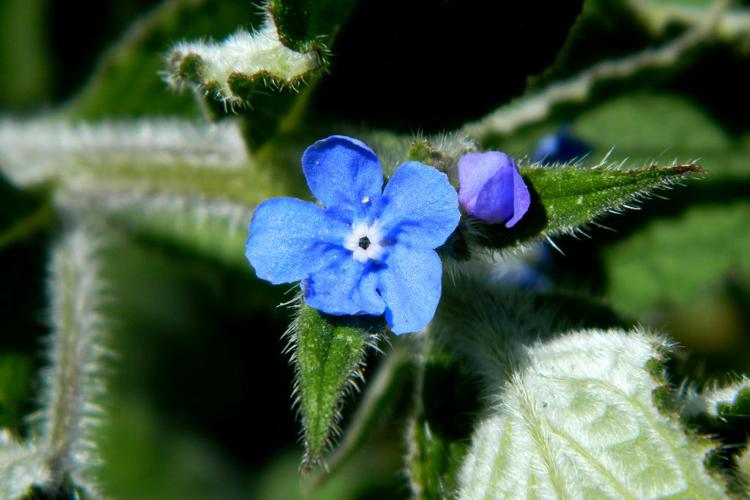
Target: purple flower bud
(491, 188)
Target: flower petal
(494, 203)
(474, 171)
(289, 239)
(492, 188)
(521, 198)
(342, 171)
(345, 286)
(420, 207)
(410, 284)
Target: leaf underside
(579, 420)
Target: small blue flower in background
(559, 147)
(534, 269)
(529, 270)
(491, 188)
(367, 250)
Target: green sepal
(566, 197)
(328, 354)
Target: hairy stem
(72, 383)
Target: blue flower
(491, 188)
(366, 250)
(559, 147)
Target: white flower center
(365, 242)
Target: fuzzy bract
(491, 188)
(367, 250)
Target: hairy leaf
(578, 419)
(244, 63)
(21, 468)
(40, 150)
(306, 25)
(328, 352)
(173, 179)
(567, 197)
(261, 72)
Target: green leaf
(665, 262)
(631, 128)
(567, 197)
(306, 25)
(578, 419)
(635, 124)
(328, 353)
